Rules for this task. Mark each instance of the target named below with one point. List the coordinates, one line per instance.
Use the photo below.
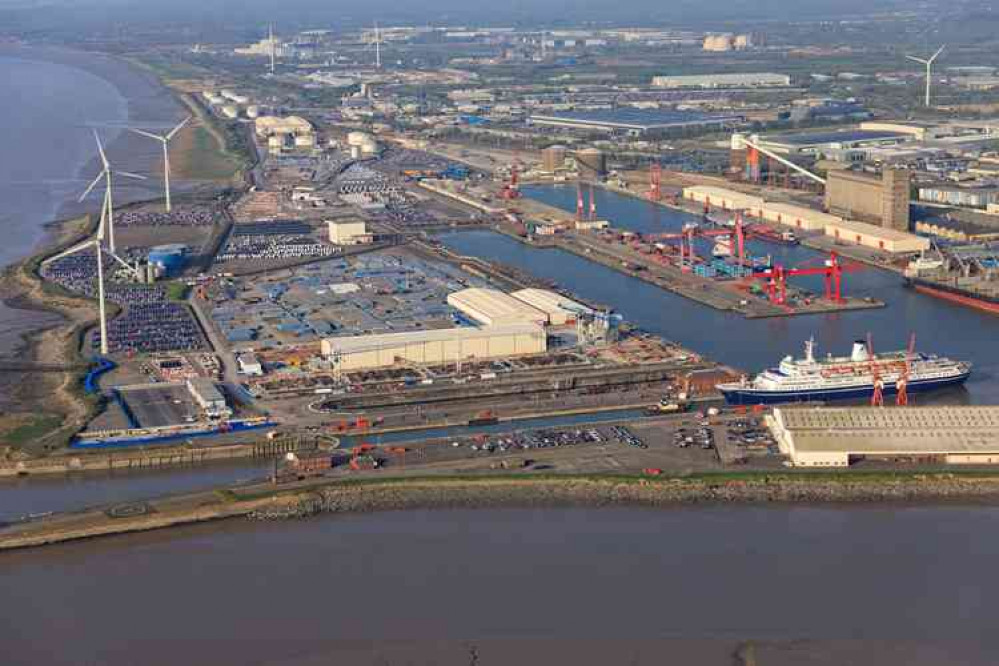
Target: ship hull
(955, 296)
(750, 396)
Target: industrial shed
(722, 198)
(435, 346)
(559, 309)
(490, 307)
(833, 437)
(798, 217)
(879, 238)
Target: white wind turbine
(165, 140)
(98, 244)
(107, 209)
(929, 69)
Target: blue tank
(171, 258)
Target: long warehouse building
(560, 310)
(837, 436)
(434, 347)
(491, 307)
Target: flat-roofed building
(561, 311)
(798, 217)
(737, 80)
(491, 307)
(878, 238)
(434, 347)
(720, 197)
(348, 232)
(208, 397)
(836, 436)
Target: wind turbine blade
(149, 134)
(100, 149)
(939, 51)
(90, 189)
(73, 250)
(128, 174)
(179, 127)
(915, 59)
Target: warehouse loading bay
(279, 328)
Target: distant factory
(744, 80)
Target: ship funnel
(859, 352)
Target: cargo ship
(846, 377)
(960, 295)
(770, 235)
(961, 276)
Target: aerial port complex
(421, 270)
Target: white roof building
(560, 310)
(434, 347)
(491, 307)
(832, 437)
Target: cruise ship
(845, 377)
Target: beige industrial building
(738, 80)
(553, 158)
(491, 307)
(798, 217)
(866, 197)
(433, 347)
(559, 310)
(834, 437)
(348, 232)
(723, 198)
(282, 133)
(878, 238)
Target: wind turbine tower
(104, 232)
(273, 46)
(165, 140)
(378, 47)
(929, 69)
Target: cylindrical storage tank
(169, 258)
(355, 152)
(253, 111)
(369, 147)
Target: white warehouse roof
(557, 307)
(491, 307)
(823, 436)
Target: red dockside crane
(655, 192)
(512, 189)
(832, 271)
(579, 201)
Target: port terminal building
(838, 436)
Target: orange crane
(902, 397)
(878, 397)
(512, 189)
